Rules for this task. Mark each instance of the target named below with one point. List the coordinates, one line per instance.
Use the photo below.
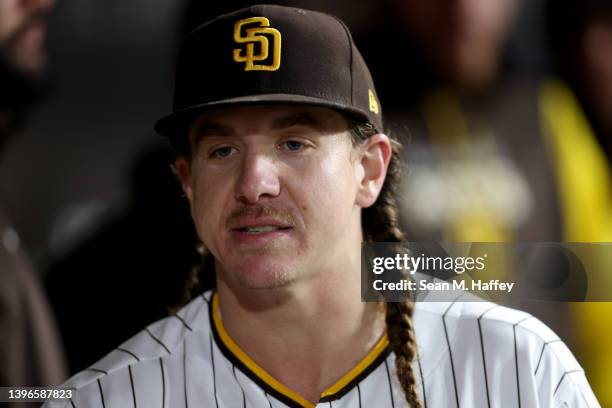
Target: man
(282, 159)
(30, 352)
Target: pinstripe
(158, 341)
(563, 377)
(185, 370)
(542, 354)
(422, 378)
(212, 359)
(128, 352)
(268, 398)
(540, 358)
(239, 385)
(484, 361)
(132, 385)
(101, 393)
(450, 353)
(97, 370)
(72, 403)
(183, 321)
(163, 378)
(518, 386)
(390, 386)
(359, 393)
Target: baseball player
(283, 161)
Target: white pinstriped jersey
(470, 354)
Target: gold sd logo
(252, 36)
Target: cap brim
(176, 123)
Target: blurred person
(461, 38)
(478, 158)
(287, 172)
(496, 153)
(30, 351)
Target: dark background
(111, 65)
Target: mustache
(35, 18)
(282, 215)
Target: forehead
(254, 118)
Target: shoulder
(478, 328)
(503, 346)
(498, 332)
(151, 354)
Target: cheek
(207, 208)
(332, 192)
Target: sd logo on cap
(255, 36)
(270, 54)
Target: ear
(374, 161)
(183, 170)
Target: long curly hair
(380, 223)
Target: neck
(307, 335)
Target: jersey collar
(241, 360)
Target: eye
(222, 152)
(293, 145)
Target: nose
(258, 178)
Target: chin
(262, 274)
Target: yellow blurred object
(585, 186)
(583, 175)
(584, 189)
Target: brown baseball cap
(267, 54)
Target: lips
(258, 224)
(261, 229)
(258, 231)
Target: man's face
(273, 191)
(22, 34)
(463, 38)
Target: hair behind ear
(380, 223)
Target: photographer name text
(476, 285)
